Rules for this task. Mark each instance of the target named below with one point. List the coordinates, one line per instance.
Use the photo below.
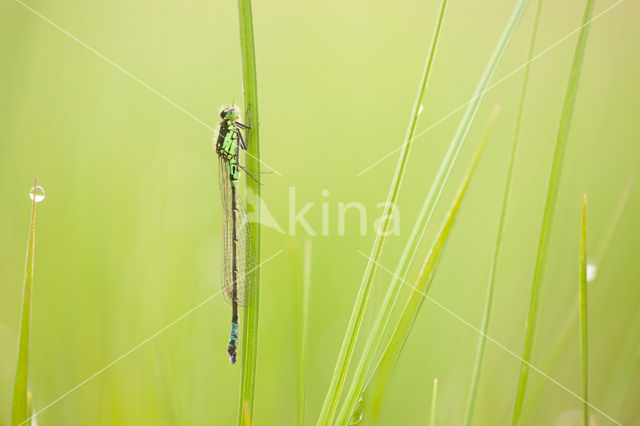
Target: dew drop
(592, 271)
(356, 416)
(37, 193)
(420, 109)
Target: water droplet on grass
(420, 109)
(592, 271)
(37, 193)
(356, 416)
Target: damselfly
(238, 257)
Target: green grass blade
(599, 254)
(306, 296)
(408, 254)
(297, 291)
(30, 410)
(432, 414)
(19, 406)
(249, 340)
(346, 351)
(549, 208)
(475, 376)
(302, 292)
(368, 355)
(385, 368)
(583, 310)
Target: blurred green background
(128, 237)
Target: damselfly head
(230, 113)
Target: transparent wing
(245, 254)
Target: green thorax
(227, 144)
(227, 147)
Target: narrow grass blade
(19, 406)
(583, 310)
(304, 338)
(599, 254)
(475, 377)
(549, 208)
(346, 351)
(302, 291)
(408, 254)
(416, 298)
(30, 407)
(297, 291)
(432, 414)
(249, 340)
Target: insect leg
(244, 126)
(243, 144)
(249, 174)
